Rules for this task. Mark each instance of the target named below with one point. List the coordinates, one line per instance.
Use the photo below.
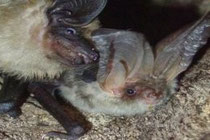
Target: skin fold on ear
(129, 56)
(174, 56)
(77, 12)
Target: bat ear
(175, 53)
(77, 12)
(130, 54)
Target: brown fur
(23, 33)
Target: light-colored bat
(131, 78)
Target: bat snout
(151, 96)
(88, 56)
(94, 56)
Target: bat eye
(70, 31)
(131, 91)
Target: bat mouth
(73, 53)
(76, 56)
(70, 57)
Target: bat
(39, 40)
(131, 77)
(42, 38)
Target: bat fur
(131, 79)
(24, 28)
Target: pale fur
(95, 100)
(89, 97)
(20, 53)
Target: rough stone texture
(185, 117)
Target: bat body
(42, 38)
(131, 79)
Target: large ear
(128, 52)
(77, 12)
(175, 54)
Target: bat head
(131, 72)
(65, 34)
(41, 39)
(128, 73)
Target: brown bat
(40, 39)
(131, 79)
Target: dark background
(153, 20)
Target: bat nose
(94, 56)
(89, 57)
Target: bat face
(141, 91)
(45, 37)
(129, 69)
(131, 78)
(66, 35)
(69, 47)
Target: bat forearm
(74, 128)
